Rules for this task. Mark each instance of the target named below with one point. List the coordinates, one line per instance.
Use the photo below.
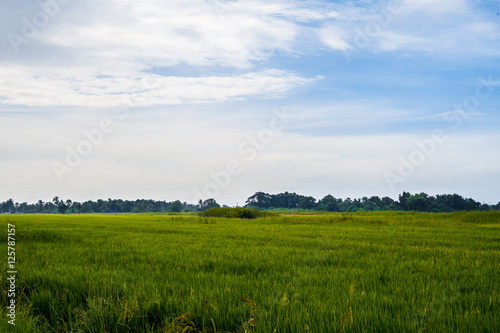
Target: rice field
(293, 272)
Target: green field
(358, 272)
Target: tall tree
(176, 206)
(329, 204)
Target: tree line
(60, 206)
(406, 202)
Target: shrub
(236, 212)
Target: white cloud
(193, 33)
(430, 26)
(98, 54)
(103, 50)
(106, 48)
(295, 11)
(59, 87)
(334, 37)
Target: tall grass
(235, 213)
(358, 272)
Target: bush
(236, 212)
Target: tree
(329, 204)
(176, 206)
(207, 204)
(345, 205)
(402, 200)
(61, 207)
(9, 206)
(306, 202)
(69, 204)
(259, 200)
(77, 206)
(418, 202)
(285, 200)
(375, 202)
(387, 203)
(103, 206)
(39, 206)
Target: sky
(189, 100)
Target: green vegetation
(236, 213)
(58, 206)
(329, 272)
(441, 203)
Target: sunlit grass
(350, 272)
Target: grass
(235, 212)
(298, 272)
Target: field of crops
(360, 272)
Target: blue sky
(197, 99)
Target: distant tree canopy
(407, 202)
(417, 202)
(207, 204)
(59, 206)
(176, 206)
(263, 200)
